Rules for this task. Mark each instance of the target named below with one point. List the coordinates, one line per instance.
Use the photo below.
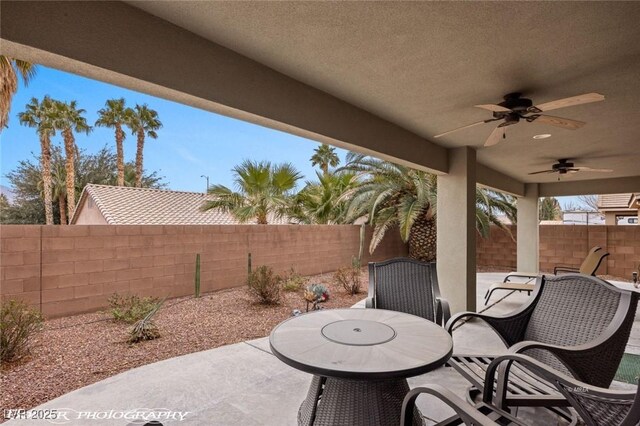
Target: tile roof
(121, 205)
(614, 201)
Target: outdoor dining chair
(407, 285)
(578, 325)
(595, 406)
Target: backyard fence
(65, 270)
(567, 245)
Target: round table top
(361, 344)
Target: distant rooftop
(617, 201)
(121, 205)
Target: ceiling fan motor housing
(562, 166)
(516, 104)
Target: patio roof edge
(493, 179)
(120, 44)
(588, 187)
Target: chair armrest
(468, 414)
(517, 274)
(369, 303)
(509, 328)
(443, 311)
(564, 268)
(555, 377)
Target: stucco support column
(457, 230)
(528, 225)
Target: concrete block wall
(65, 270)
(567, 245)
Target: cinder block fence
(65, 270)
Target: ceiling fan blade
(589, 169)
(493, 108)
(565, 123)
(567, 102)
(460, 128)
(495, 137)
(542, 171)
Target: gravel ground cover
(73, 352)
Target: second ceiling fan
(515, 108)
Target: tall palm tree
(114, 116)
(325, 157)
(39, 115)
(68, 118)
(59, 190)
(10, 68)
(143, 121)
(322, 202)
(263, 190)
(391, 195)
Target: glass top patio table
(367, 344)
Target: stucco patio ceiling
(424, 65)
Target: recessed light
(542, 136)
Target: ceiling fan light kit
(515, 108)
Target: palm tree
(10, 68)
(68, 118)
(322, 202)
(263, 190)
(325, 157)
(59, 190)
(39, 116)
(391, 195)
(114, 116)
(143, 122)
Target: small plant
(17, 323)
(316, 294)
(293, 281)
(131, 308)
(264, 285)
(146, 329)
(349, 279)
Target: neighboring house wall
(66, 270)
(89, 213)
(567, 245)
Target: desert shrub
(349, 278)
(146, 329)
(293, 281)
(264, 285)
(316, 293)
(17, 323)
(131, 308)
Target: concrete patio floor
(245, 384)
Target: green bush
(264, 285)
(131, 308)
(17, 323)
(293, 281)
(146, 329)
(350, 278)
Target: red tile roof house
(616, 206)
(121, 205)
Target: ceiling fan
(515, 108)
(564, 166)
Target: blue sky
(191, 143)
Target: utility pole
(207, 178)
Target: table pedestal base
(332, 401)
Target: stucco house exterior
(121, 205)
(617, 206)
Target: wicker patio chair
(576, 324)
(596, 406)
(409, 286)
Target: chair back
(596, 408)
(593, 260)
(576, 310)
(405, 285)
